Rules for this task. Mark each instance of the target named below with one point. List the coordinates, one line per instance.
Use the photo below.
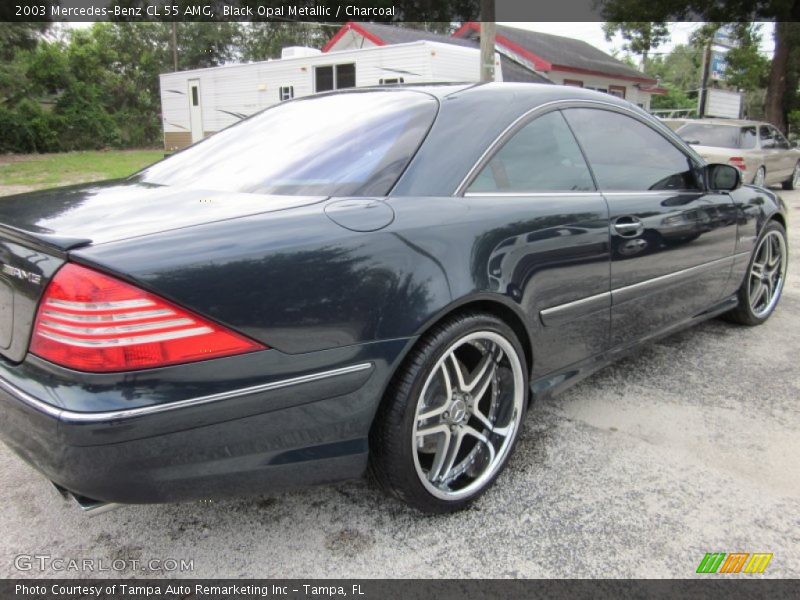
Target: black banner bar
(340, 11)
(733, 588)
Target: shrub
(16, 133)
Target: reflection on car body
(368, 278)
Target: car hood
(109, 211)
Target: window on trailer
(334, 77)
(617, 90)
(286, 93)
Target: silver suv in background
(758, 150)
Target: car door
(771, 153)
(785, 158)
(671, 241)
(550, 252)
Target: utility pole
(703, 100)
(488, 30)
(174, 46)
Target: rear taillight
(738, 162)
(92, 322)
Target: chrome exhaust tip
(88, 506)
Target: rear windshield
(719, 136)
(354, 144)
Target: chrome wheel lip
(767, 269)
(499, 455)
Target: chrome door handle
(628, 226)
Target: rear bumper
(286, 431)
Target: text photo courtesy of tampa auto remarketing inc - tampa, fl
(394, 299)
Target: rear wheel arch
(486, 303)
(495, 305)
(392, 462)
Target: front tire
(766, 273)
(451, 415)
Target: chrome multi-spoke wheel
(452, 414)
(767, 273)
(467, 414)
(761, 289)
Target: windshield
(354, 144)
(719, 136)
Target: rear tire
(452, 414)
(793, 183)
(761, 289)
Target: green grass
(49, 170)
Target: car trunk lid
(39, 229)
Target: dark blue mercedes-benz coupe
(378, 279)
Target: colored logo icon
(737, 562)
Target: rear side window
(353, 144)
(543, 156)
(718, 136)
(626, 154)
(748, 137)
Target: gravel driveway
(692, 446)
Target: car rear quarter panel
(294, 280)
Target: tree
(674, 98)
(786, 14)
(679, 69)
(747, 69)
(19, 36)
(640, 36)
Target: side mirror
(722, 177)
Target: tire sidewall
(744, 294)
(443, 339)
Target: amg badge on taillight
(93, 322)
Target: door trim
(570, 311)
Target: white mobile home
(195, 104)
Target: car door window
(767, 137)
(625, 154)
(543, 156)
(780, 141)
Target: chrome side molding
(130, 413)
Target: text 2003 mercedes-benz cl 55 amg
(379, 277)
